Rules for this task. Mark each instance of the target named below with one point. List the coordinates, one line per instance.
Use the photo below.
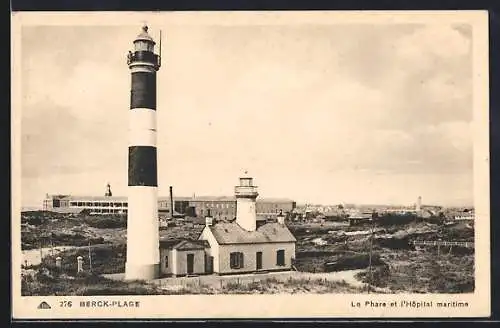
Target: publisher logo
(44, 305)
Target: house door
(190, 263)
(209, 264)
(259, 260)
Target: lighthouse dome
(144, 35)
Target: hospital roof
(163, 198)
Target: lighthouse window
(141, 46)
(166, 261)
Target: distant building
(358, 218)
(220, 207)
(465, 217)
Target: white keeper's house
(243, 245)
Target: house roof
(232, 233)
(183, 244)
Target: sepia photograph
(298, 155)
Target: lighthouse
(246, 195)
(142, 221)
(418, 206)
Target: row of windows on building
(109, 211)
(231, 212)
(272, 207)
(98, 204)
(221, 205)
(233, 205)
(236, 259)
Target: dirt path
(34, 256)
(215, 281)
(218, 281)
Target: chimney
(209, 220)
(171, 203)
(281, 218)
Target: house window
(280, 257)
(166, 261)
(236, 260)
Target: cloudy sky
(318, 113)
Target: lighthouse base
(135, 271)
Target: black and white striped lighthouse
(142, 221)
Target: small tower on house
(246, 195)
(209, 220)
(280, 218)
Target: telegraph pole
(41, 255)
(90, 258)
(371, 251)
(51, 246)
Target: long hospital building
(223, 207)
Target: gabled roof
(183, 244)
(192, 244)
(231, 233)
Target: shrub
(105, 259)
(106, 222)
(380, 276)
(351, 262)
(115, 290)
(393, 243)
(232, 286)
(395, 219)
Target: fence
(467, 244)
